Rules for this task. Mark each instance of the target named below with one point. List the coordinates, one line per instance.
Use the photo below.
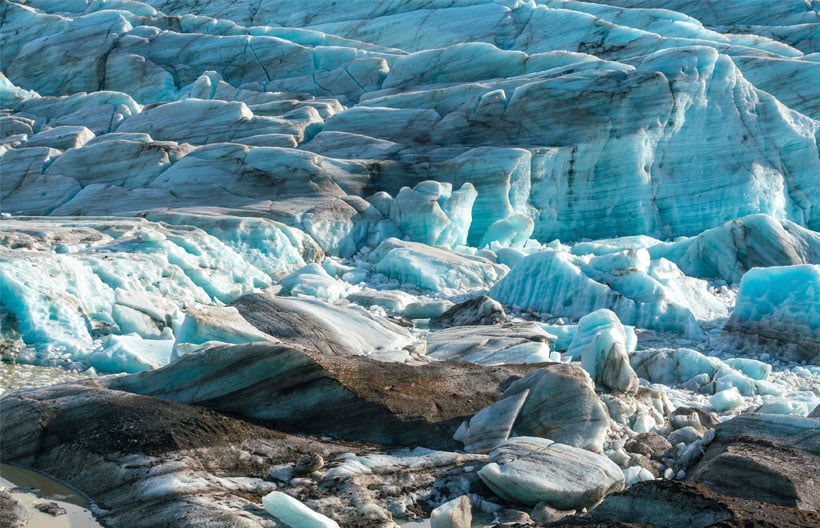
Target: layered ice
(644, 293)
(779, 308)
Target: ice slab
(433, 269)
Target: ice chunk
(730, 250)
(434, 269)
(757, 370)
(778, 308)
(130, 353)
(313, 281)
(204, 324)
(330, 329)
(601, 345)
(432, 213)
(726, 399)
(456, 513)
(491, 345)
(562, 406)
(674, 366)
(293, 513)
(492, 425)
(658, 296)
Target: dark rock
(650, 444)
(767, 458)
(12, 513)
(308, 464)
(478, 311)
(51, 508)
(353, 398)
(675, 504)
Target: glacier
(621, 198)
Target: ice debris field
(632, 187)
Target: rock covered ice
(480, 236)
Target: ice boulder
(601, 345)
(432, 213)
(674, 366)
(456, 513)
(130, 353)
(643, 293)
(481, 310)
(313, 281)
(534, 470)
(434, 269)
(293, 513)
(778, 309)
(220, 324)
(562, 406)
(491, 425)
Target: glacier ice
(411, 143)
(643, 293)
(779, 308)
(635, 180)
(294, 513)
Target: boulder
(767, 458)
(601, 344)
(481, 310)
(562, 406)
(533, 470)
(675, 504)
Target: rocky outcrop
(675, 504)
(353, 398)
(766, 458)
(147, 462)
